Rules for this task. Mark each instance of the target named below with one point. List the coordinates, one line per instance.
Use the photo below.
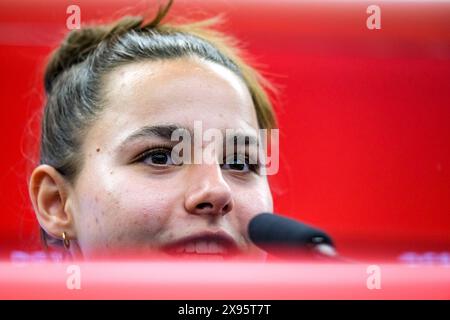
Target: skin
(118, 205)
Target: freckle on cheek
(98, 149)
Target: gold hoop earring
(66, 241)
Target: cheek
(122, 210)
(251, 201)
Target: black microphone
(282, 236)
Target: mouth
(206, 245)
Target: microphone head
(274, 233)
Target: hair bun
(78, 44)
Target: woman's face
(131, 198)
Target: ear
(51, 196)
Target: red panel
(364, 114)
(237, 281)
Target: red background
(364, 114)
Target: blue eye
(157, 157)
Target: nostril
(204, 205)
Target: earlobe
(50, 194)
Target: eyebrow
(248, 139)
(165, 131)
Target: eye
(239, 163)
(158, 157)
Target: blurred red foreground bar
(213, 280)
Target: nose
(209, 193)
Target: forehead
(174, 91)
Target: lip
(226, 241)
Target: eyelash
(142, 156)
(168, 148)
(254, 167)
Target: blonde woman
(107, 185)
